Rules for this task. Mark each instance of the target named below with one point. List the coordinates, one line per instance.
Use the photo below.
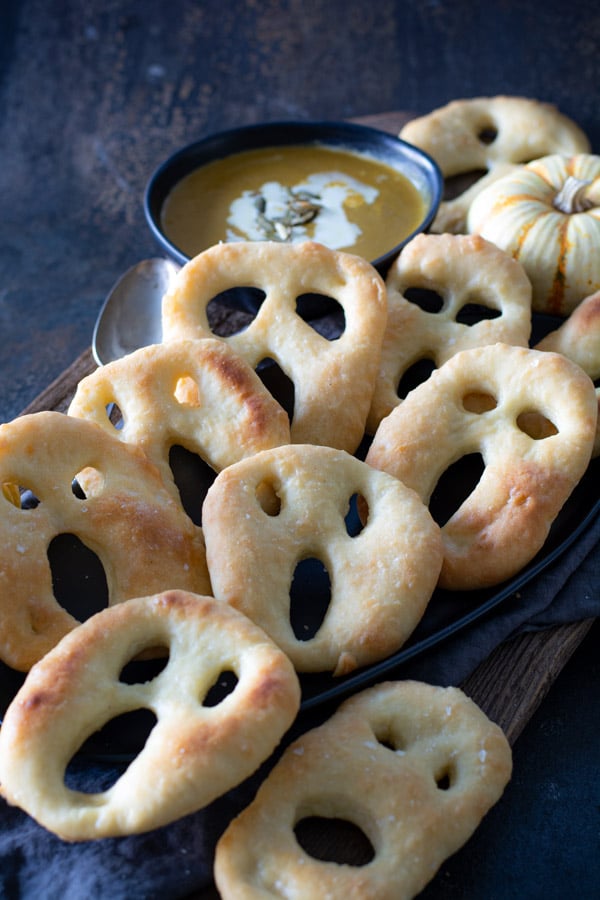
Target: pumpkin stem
(577, 195)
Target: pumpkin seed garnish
(301, 207)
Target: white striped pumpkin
(546, 214)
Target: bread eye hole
(330, 839)
(357, 515)
(186, 392)
(472, 313)
(115, 416)
(11, 493)
(145, 669)
(78, 578)
(415, 375)
(487, 135)
(536, 425)
(223, 686)
(445, 778)
(19, 496)
(323, 313)
(278, 384)
(392, 742)
(234, 310)
(268, 498)
(89, 482)
(310, 579)
(479, 402)
(77, 489)
(425, 298)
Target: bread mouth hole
(454, 486)
(193, 478)
(78, 578)
(268, 497)
(129, 730)
(337, 840)
(426, 299)
(278, 384)
(223, 686)
(479, 402)
(417, 373)
(472, 313)
(234, 310)
(323, 313)
(536, 425)
(357, 517)
(310, 580)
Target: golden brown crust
(490, 135)
(264, 515)
(196, 394)
(128, 519)
(462, 270)
(380, 763)
(194, 752)
(333, 380)
(476, 403)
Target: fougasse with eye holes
(489, 136)
(414, 766)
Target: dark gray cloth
(176, 860)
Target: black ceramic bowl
(412, 162)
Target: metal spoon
(131, 315)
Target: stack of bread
(415, 766)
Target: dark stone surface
(93, 95)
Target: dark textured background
(93, 95)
